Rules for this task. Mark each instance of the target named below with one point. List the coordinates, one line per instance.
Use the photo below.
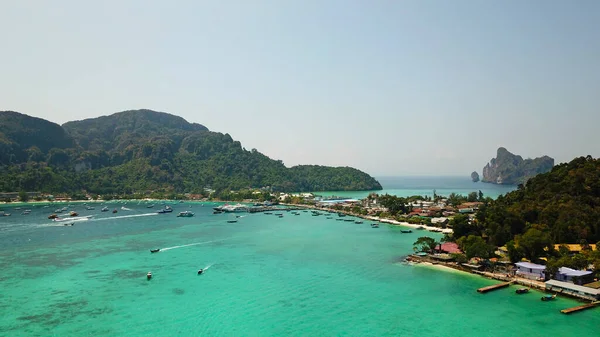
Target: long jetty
(580, 308)
(494, 287)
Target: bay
(425, 186)
(265, 276)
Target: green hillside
(139, 151)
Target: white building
(566, 274)
(530, 270)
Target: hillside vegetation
(143, 150)
(561, 206)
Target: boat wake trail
(125, 216)
(206, 268)
(192, 244)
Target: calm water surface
(409, 186)
(267, 276)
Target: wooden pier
(494, 287)
(580, 308)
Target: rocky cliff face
(475, 176)
(511, 169)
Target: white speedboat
(71, 219)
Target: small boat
(200, 271)
(374, 225)
(69, 224)
(358, 222)
(104, 209)
(548, 297)
(231, 221)
(150, 206)
(73, 213)
(155, 250)
(185, 214)
(420, 228)
(58, 210)
(268, 213)
(522, 290)
(81, 218)
(115, 210)
(406, 231)
(149, 275)
(89, 208)
(168, 209)
(25, 212)
(52, 216)
(339, 219)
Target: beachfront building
(573, 289)
(574, 276)
(448, 247)
(530, 270)
(442, 221)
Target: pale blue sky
(390, 87)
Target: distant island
(475, 176)
(510, 169)
(145, 151)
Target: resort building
(448, 247)
(575, 276)
(530, 270)
(573, 289)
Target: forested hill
(562, 205)
(139, 151)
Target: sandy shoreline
(375, 218)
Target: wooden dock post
(580, 308)
(494, 287)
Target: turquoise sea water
(267, 276)
(409, 186)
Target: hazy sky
(390, 87)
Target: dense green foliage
(144, 151)
(562, 206)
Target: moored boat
(115, 210)
(73, 213)
(522, 290)
(104, 209)
(374, 225)
(406, 231)
(52, 216)
(231, 221)
(149, 275)
(185, 214)
(548, 297)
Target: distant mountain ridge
(145, 150)
(511, 169)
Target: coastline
(375, 218)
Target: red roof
(449, 247)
